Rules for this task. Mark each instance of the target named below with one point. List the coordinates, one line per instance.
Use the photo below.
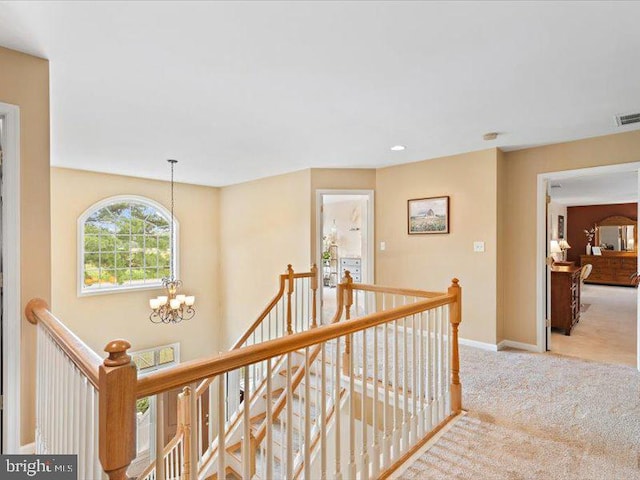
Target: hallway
(607, 331)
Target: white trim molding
(481, 345)
(518, 345)
(11, 314)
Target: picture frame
(596, 251)
(560, 227)
(426, 216)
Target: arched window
(124, 244)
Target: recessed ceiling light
(398, 148)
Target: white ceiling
(619, 187)
(238, 90)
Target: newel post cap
(117, 350)
(35, 304)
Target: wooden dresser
(611, 268)
(565, 297)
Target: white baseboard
(518, 345)
(28, 449)
(482, 345)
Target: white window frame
(124, 288)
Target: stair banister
(117, 387)
(455, 316)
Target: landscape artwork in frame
(428, 215)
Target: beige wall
(500, 244)
(265, 226)
(24, 81)
(431, 261)
(523, 167)
(97, 319)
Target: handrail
(195, 370)
(409, 292)
(88, 361)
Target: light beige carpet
(607, 330)
(539, 416)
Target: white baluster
(289, 421)
(323, 412)
(196, 429)
(221, 427)
(269, 423)
(421, 374)
(405, 383)
(337, 387)
(246, 424)
(364, 474)
(352, 411)
(307, 417)
(375, 467)
(414, 380)
(210, 416)
(396, 388)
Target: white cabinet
(354, 265)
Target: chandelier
(172, 307)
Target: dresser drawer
(349, 262)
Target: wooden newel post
(314, 288)
(347, 284)
(117, 380)
(455, 317)
(289, 293)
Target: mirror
(617, 234)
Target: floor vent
(627, 119)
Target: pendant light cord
(172, 259)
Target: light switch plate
(478, 246)
(383, 246)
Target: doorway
(597, 317)
(10, 277)
(344, 242)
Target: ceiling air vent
(627, 119)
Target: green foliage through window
(126, 244)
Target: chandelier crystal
(172, 307)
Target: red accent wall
(580, 219)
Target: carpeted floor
(607, 330)
(539, 416)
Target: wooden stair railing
(403, 331)
(278, 317)
(84, 405)
(425, 306)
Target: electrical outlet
(478, 246)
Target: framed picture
(560, 227)
(596, 251)
(428, 215)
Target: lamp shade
(554, 247)
(564, 245)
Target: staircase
(353, 398)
